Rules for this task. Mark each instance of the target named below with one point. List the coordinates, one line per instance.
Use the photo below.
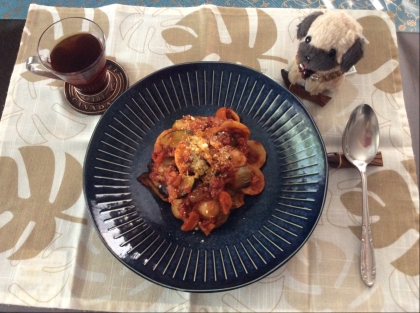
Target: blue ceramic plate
(139, 228)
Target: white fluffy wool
(346, 30)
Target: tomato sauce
(206, 165)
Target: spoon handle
(367, 255)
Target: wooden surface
(10, 34)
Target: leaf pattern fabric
(341, 283)
(204, 33)
(50, 253)
(37, 208)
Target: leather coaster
(93, 105)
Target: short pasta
(204, 166)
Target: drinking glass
(73, 50)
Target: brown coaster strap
(338, 160)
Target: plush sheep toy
(331, 42)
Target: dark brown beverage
(82, 59)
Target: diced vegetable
(157, 149)
(186, 185)
(206, 229)
(238, 158)
(225, 202)
(175, 208)
(225, 138)
(242, 178)
(191, 222)
(181, 124)
(181, 157)
(257, 182)
(168, 161)
(173, 138)
(238, 200)
(196, 195)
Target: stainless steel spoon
(360, 145)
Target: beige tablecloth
(50, 254)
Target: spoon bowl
(360, 145)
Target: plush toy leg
(300, 91)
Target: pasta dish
(204, 166)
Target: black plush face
(316, 59)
